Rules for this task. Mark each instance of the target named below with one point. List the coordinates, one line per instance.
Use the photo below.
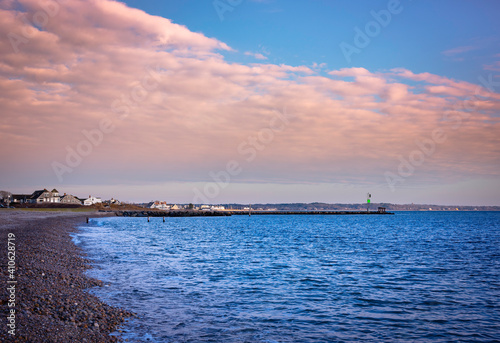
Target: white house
(161, 205)
(92, 200)
(212, 208)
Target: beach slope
(50, 295)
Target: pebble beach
(50, 296)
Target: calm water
(423, 276)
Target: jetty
(176, 213)
(226, 213)
(254, 212)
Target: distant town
(54, 199)
(45, 196)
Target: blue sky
(449, 38)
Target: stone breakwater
(52, 303)
(188, 213)
(171, 213)
(308, 212)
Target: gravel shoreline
(51, 299)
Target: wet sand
(52, 303)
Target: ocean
(412, 276)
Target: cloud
(459, 50)
(256, 55)
(495, 66)
(180, 110)
(318, 65)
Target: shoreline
(52, 302)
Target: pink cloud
(459, 50)
(495, 66)
(258, 56)
(458, 88)
(201, 107)
(350, 72)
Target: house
(211, 208)
(45, 196)
(20, 198)
(161, 205)
(174, 207)
(112, 201)
(70, 199)
(92, 200)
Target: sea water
(412, 276)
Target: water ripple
(427, 277)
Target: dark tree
(4, 195)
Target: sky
(252, 101)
